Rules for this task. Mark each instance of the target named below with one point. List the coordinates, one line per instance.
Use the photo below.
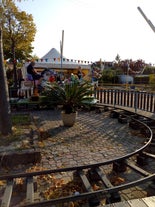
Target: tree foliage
(18, 32)
(110, 76)
(152, 79)
(15, 24)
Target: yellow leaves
(19, 181)
(71, 204)
(96, 187)
(14, 128)
(25, 144)
(2, 182)
(58, 188)
(117, 180)
(41, 144)
(35, 169)
(59, 182)
(43, 134)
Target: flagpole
(61, 50)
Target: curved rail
(84, 172)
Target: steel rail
(98, 193)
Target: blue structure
(125, 79)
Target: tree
(5, 112)
(18, 34)
(152, 81)
(19, 31)
(117, 58)
(109, 76)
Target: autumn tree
(5, 113)
(18, 34)
(19, 31)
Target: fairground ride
(147, 20)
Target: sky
(93, 29)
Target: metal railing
(134, 99)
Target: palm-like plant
(70, 96)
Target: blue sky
(93, 29)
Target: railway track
(89, 184)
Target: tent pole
(61, 50)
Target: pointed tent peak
(53, 53)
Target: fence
(134, 99)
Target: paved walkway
(95, 137)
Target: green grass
(20, 122)
(21, 119)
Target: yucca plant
(71, 96)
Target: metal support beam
(147, 20)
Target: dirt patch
(14, 159)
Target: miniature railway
(94, 179)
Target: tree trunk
(14, 65)
(5, 112)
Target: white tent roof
(53, 53)
(53, 59)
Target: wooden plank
(150, 201)
(138, 169)
(137, 202)
(85, 181)
(30, 190)
(149, 155)
(142, 202)
(119, 204)
(122, 204)
(104, 178)
(7, 194)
